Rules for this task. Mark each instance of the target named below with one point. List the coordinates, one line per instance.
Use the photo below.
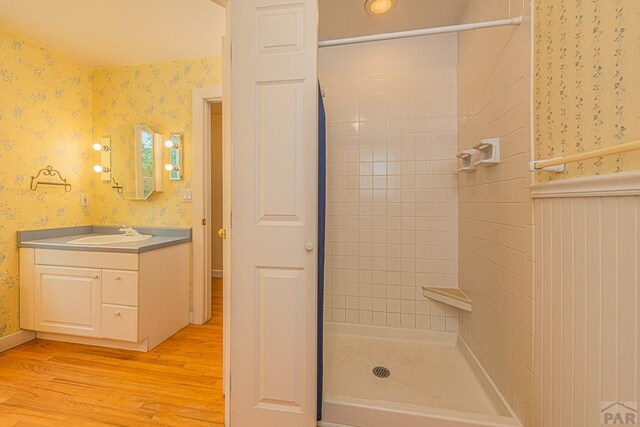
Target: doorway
(216, 230)
(217, 233)
(217, 227)
(211, 212)
(274, 212)
(206, 102)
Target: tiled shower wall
(496, 257)
(392, 212)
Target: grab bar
(557, 164)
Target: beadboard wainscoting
(587, 301)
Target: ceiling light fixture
(379, 7)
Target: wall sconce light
(99, 147)
(170, 144)
(101, 169)
(174, 144)
(104, 167)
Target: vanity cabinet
(121, 300)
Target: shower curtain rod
(424, 32)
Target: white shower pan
(434, 381)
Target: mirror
(132, 161)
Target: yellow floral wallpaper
(587, 86)
(160, 96)
(45, 119)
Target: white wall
(391, 196)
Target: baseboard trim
(15, 339)
(142, 346)
(610, 185)
(217, 273)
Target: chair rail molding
(610, 185)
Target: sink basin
(109, 239)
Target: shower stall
(413, 317)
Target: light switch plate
(187, 196)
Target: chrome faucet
(128, 230)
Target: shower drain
(381, 372)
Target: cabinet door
(68, 300)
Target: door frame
(201, 264)
(203, 98)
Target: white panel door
(274, 218)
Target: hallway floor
(179, 383)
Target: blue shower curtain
(322, 202)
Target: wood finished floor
(179, 383)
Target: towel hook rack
(117, 188)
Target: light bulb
(170, 144)
(97, 146)
(379, 7)
(98, 168)
(168, 167)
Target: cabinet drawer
(86, 259)
(120, 287)
(120, 322)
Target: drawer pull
(117, 313)
(117, 278)
(96, 277)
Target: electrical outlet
(84, 200)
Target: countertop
(58, 238)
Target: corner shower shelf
(451, 296)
